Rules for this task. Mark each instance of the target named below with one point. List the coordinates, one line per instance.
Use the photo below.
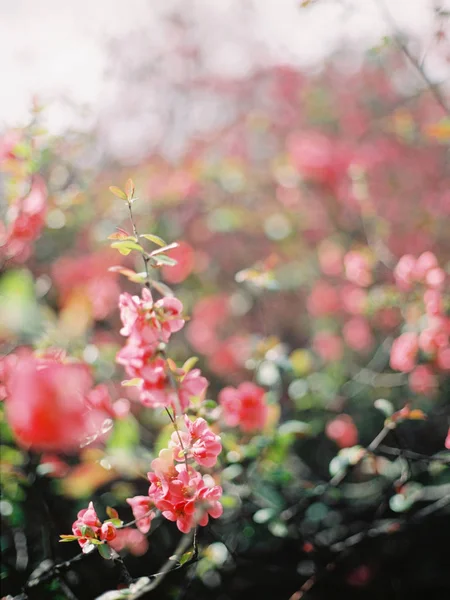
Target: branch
(412, 59)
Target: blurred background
(297, 151)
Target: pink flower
(47, 407)
(88, 517)
(424, 263)
(108, 532)
(343, 431)
(443, 358)
(357, 334)
(193, 385)
(433, 302)
(190, 501)
(244, 407)
(328, 346)
(447, 440)
(435, 278)
(323, 300)
(353, 298)
(130, 307)
(404, 352)
(404, 271)
(86, 526)
(169, 311)
(358, 268)
(27, 219)
(199, 442)
(141, 507)
(422, 380)
(185, 256)
(130, 539)
(99, 399)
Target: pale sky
(56, 48)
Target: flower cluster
(427, 339)
(244, 407)
(147, 325)
(26, 219)
(51, 403)
(89, 530)
(179, 491)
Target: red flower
(46, 404)
(244, 407)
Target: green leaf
(131, 382)
(87, 531)
(115, 522)
(162, 259)
(118, 192)
(154, 238)
(121, 236)
(186, 557)
(164, 249)
(190, 363)
(112, 512)
(210, 404)
(126, 246)
(105, 551)
(68, 538)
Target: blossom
(181, 493)
(88, 527)
(343, 431)
(130, 539)
(190, 501)
(358, 268)
(357, 333)
(323, 300)
(199, 442)
(87, 278)
(26, 221)
(185, 256)
(404, 352)
(141, 507)
(108, 532)
(328, 346)
(244, 406)
(47, 405)
(404, 271)
(422, 380)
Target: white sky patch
(58, 50)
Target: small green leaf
(131, 382)
(154, 238)
(162, 259)
(126, 246)
(186, 557)
(118, 192)
(120, 235)
(164, 249)
(115, 522)
(112, 512)
(105, 551)
(210, 404)
(87, 531)
(190, 363)
(68, 538)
